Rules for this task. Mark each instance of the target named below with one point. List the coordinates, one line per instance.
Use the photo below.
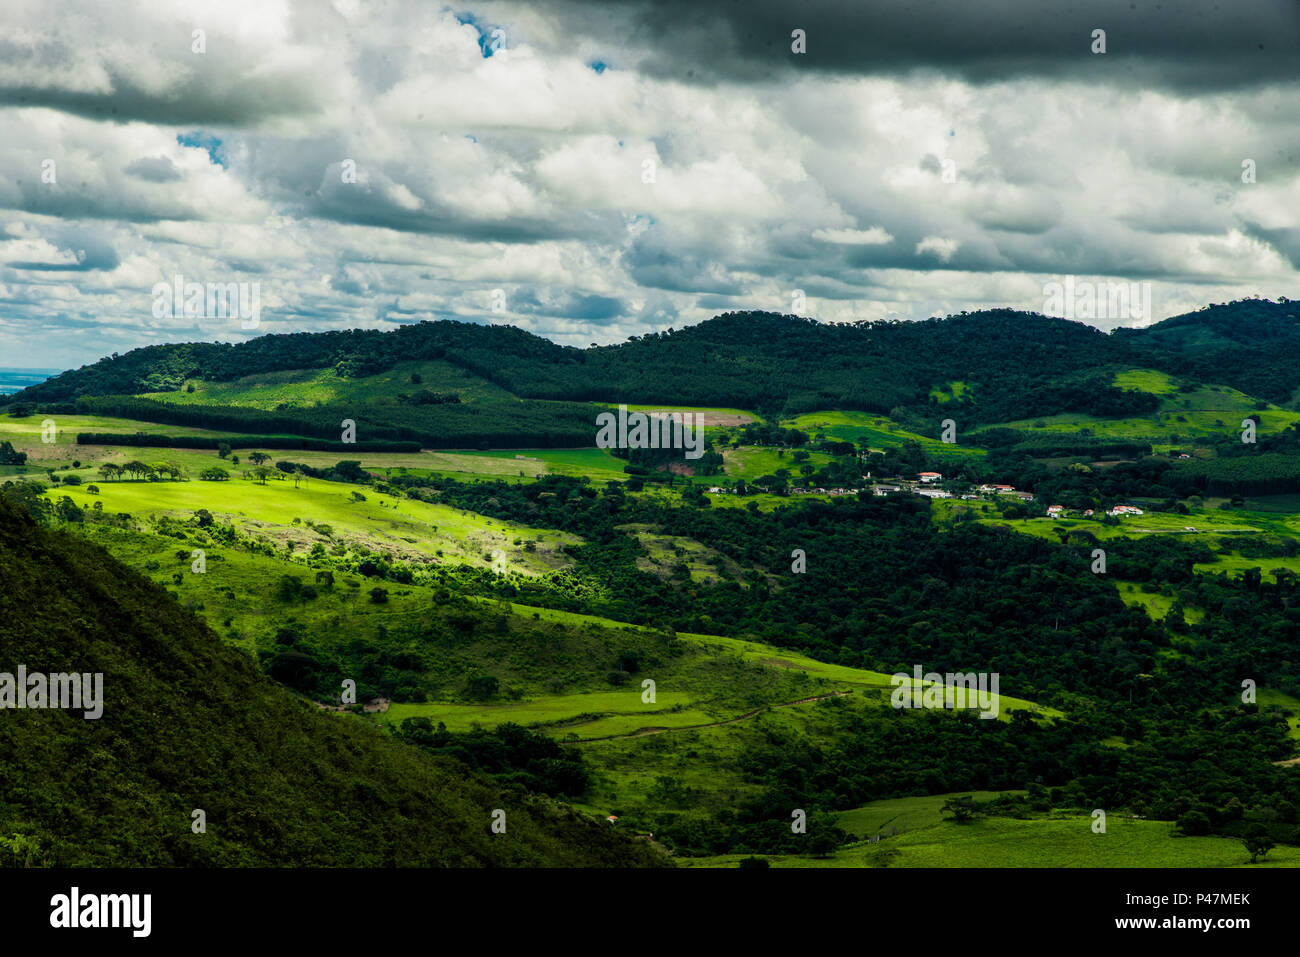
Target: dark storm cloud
(1175, 44)
(566, 305)
(1285, 241)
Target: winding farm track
(643, 732)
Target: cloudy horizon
(590, 172)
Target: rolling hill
(190, 723)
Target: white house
(928, 477)
(1055, 511)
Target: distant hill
(189, 722)
(1250, 345)
(1009, 364)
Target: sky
(594, 171)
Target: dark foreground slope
(190, 723)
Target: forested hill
(1250, 345)
(190, 723)
(1014, 363)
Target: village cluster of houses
(1057, 511)
(925, 484)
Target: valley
(628, 633)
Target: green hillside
(190, 723)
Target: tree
(214, 474)
(223, 450)
(1258, 844)
(9, 457)
(963, 809)
(289, 588)
(257, 458)
(1193, 824)
(263, 473)
(110, 471)
(822, 844)
(67, 510)
(203, 517)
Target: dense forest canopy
(1017, 364)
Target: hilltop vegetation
(1008, 365)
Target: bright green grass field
(1149, 523)
(26, 435)
(587, 715)
(877, 431)
(1269, 698)
(951, 390)
(597, 464)
(749, 462)
(307, 387)
(904, 814)
(1056, 841)
(709, 412)
(1206, 411)
(1234, 565)
(1146, 380)
(1156, 606)
(403, 526)
(841, 677)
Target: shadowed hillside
(189, 722)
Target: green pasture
(1051, 841)
(279, 511)
(904, 814)
(879, 433)
(307, 387)
(749, 462)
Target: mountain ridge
(766, 361)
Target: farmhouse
(1055, 511)
(929, 477)
(1125, 510)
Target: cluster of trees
(429, 397)
(9, 457)
(141, 470)
(159, 440)
(509, 753)
(380, 426)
